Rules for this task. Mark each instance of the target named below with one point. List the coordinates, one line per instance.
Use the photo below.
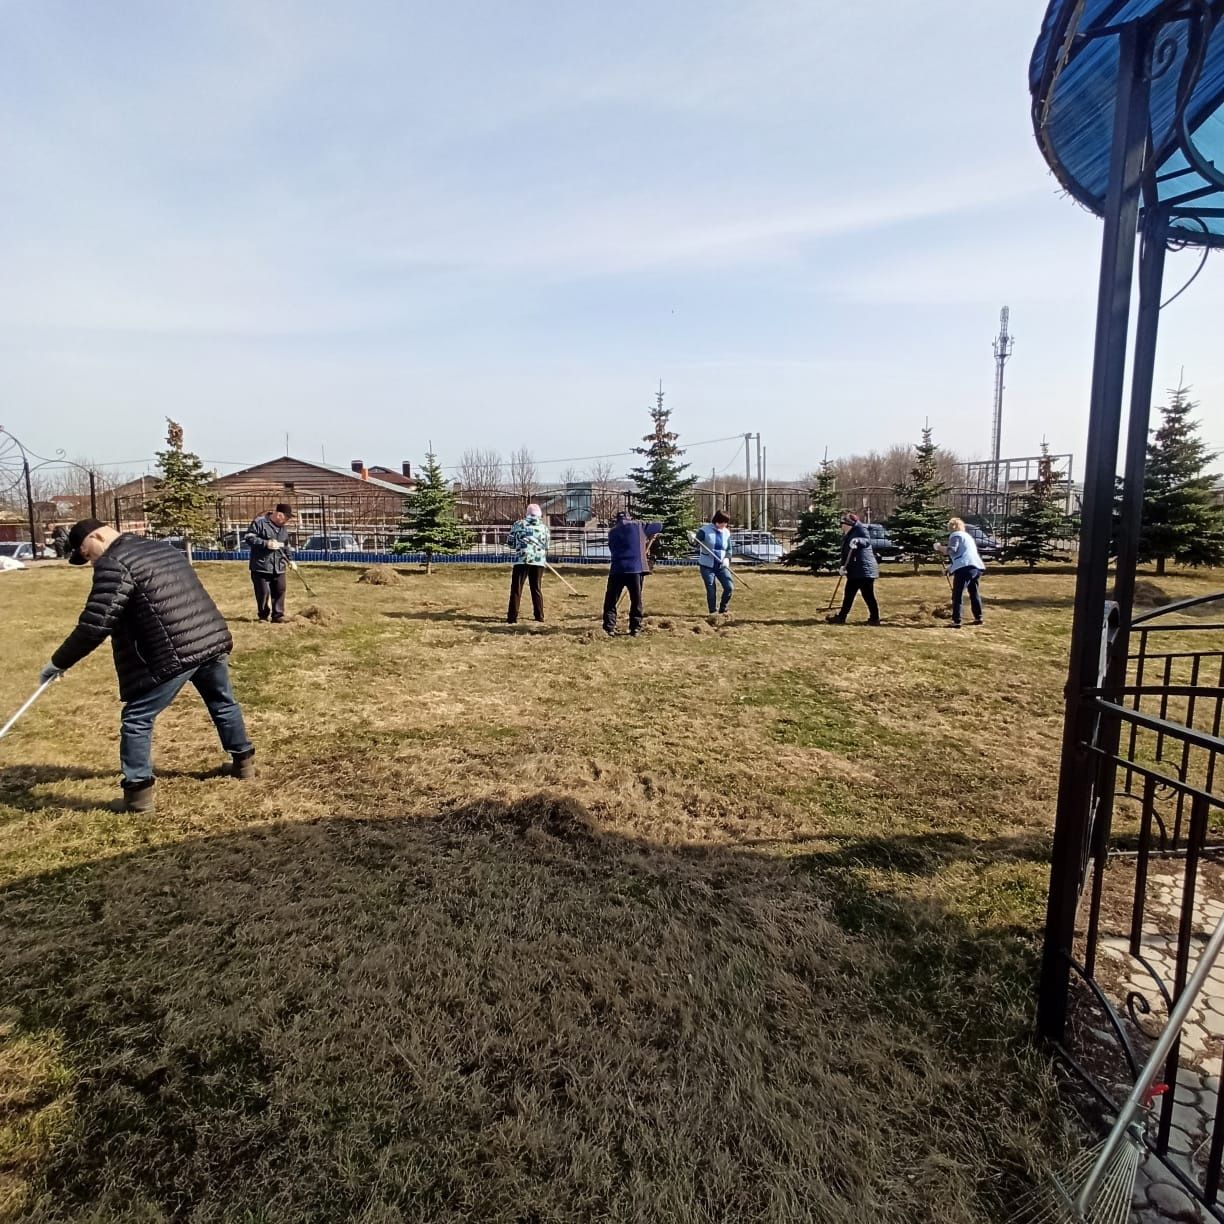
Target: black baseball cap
(76, 537)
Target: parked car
(882, 543)
(758, 546)
(988, 547)
(21, 550)
(343, 542)
(596, 548)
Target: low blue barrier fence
(385, 558)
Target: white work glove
(292, 564)
(842, 571)
(275, 545)
(50, 672)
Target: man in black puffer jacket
(165, 630)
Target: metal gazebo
(1128, 110)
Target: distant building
(367, 502)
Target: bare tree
(606, 498)
(480, 475)
(523, 475)
(62, 489)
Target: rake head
(1055, 1201)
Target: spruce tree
(1181, 520)
(429, 524)
(664, 492)
(1033, 534)
(819, 537)
(920, 517)
(183, 504)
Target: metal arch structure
(16, 469)
(1128, 110)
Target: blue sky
(374, 224)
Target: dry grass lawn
(728, 923)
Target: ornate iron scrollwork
(1111, 1016)
(1201, 19)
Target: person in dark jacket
(165, 631)
(629, 547)
(268, 540)
(860, 569)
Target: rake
(833, 597)
(695, 539)
(574, 592)
(38, 692)
(1099, 1186)
(293, 565)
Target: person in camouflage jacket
(529, 539)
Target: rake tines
(1058, 1201)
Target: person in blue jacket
(628, 545)
(966, 568)
(714, 560)
(860, 569)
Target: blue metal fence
(386, 558)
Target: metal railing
(1154, 755)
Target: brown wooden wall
(271, 478)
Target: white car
(341, 542)
(20, 550)
(596, 548)
(759, 546)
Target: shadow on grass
(446, 615)
(496, 624)
(505, 1013)
(20, 787)
(917, 854)
(1023, 603)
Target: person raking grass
(966, 567)
(165, 631)
(860, 569)
(714, 560)
(529, 538)
(629, 547)
(268, 539)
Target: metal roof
(1073, 79)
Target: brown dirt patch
(381, 575)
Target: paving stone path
(1158, 1196)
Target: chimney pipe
(406, 468)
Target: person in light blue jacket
(714, 560)
(966, 569)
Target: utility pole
(1003, 345)
(759, 482)
(748, 475)
(765, 488)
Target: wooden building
(367, 502)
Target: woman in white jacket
(966, 568)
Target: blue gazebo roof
(1073, 79)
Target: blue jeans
(212, 682)
(710, 575)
